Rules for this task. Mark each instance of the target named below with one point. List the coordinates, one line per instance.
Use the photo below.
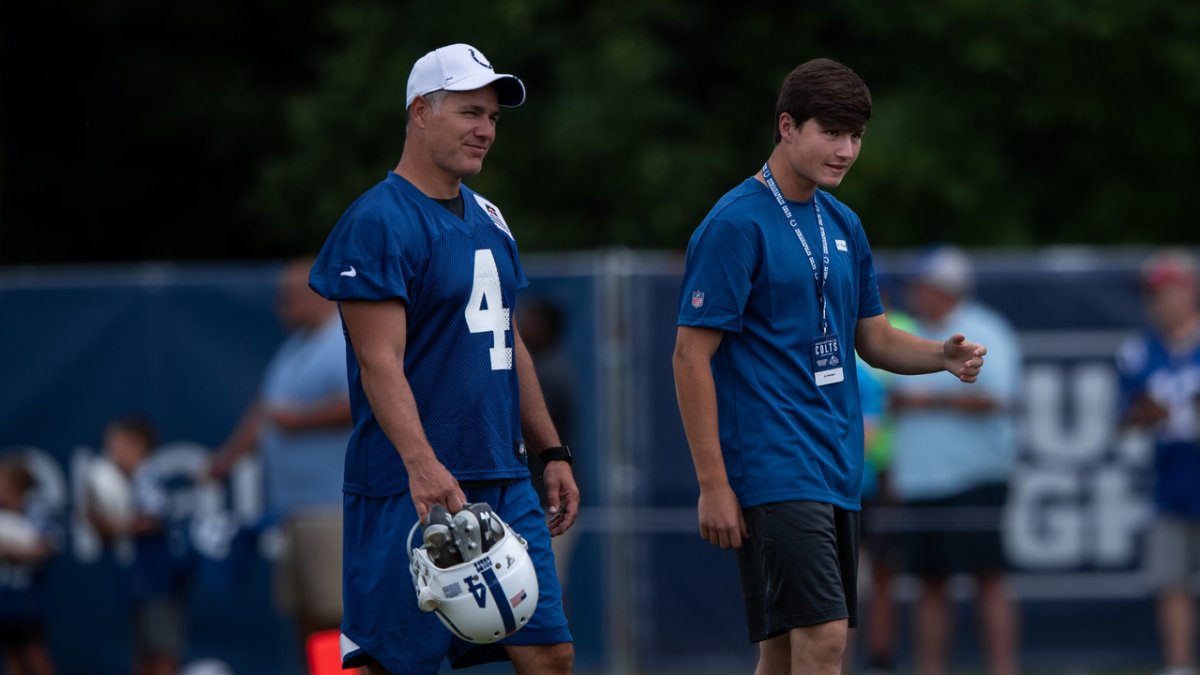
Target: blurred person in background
(299, 424)
(779, 293)
(1160, 392)
(954, 449)
(29, 537)
(446, 400)
(541, 320)
(159, 575)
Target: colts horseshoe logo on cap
(476, 59)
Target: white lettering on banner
(1118, 515)
(204, 503)
(1081, 433)
(1075, 501)
(1044, 526)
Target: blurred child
(157, 576)
(27, 541)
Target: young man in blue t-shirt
(779, 292)
(442, 389)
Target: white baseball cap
(948, 268)
(461, 67)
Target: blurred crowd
(940, 456)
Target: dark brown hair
(14, 466)
(827, 91)
(140, 427)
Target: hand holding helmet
(474, 572)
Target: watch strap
(554, 453)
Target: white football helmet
(484, 599)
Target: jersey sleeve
(371, 254)
(522, 280)
(718, 273)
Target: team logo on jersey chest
(494, 214)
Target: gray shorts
(308, 574)
(159, 627)
(1172, 553)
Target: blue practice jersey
(782, 436)
(1148, 368)
(458, 279)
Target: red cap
(1168, 267)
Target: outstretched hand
(963, 359)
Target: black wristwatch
(557, 453)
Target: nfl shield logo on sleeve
(697, 299)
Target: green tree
(181, 131)
(1018, 123)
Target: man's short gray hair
(433, 98)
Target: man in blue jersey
(1160, 392)
(445, 400)
(779, 292)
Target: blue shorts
(381, 619)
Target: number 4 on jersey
(486, 312)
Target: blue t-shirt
(303, 469)
(783, 437)
(1147, 367)
(458, 278)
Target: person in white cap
(953, 449)
(445, 399)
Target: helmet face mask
(484, 599)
